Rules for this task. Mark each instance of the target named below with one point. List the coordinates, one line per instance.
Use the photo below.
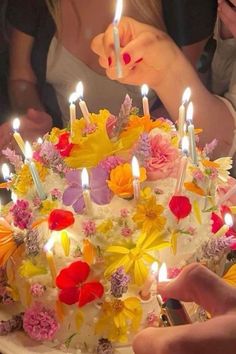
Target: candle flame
(40, 140)
(28, 151)
(190, 112)
(14, 197)
(85, 178)
(5, 171)
(73, 97)
(118, 13)
(162, 276)
(80, 89)
(228, 219)
(154, 268)
(144, 89)
(135, 167)
(16, 124)
(186, 95)
(49, 245)
(185, 145)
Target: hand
(216, 336)
(33, 125)
(227, 15)
(146, 52)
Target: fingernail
(126, 58)
(109, 61)
(138, 61)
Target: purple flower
(119, 282)
(40, 323)
(100, 193)
(15, 160)
(143, 149)
(104, 347)
(209, 148)
(14, 324)
(110, 162)
(22, 214)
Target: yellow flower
(24, 181)
(148, 216)
(54, 135)
(47, 206)
(230, 276)
(118, 318)
(105, 226)
(136, 257)
(121, 180)
(28, 269)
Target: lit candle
(16, 134)
(50, 259)
(72, 99)
(40, 141)
(136, 177)
(162, 277)
(33, 171)
(191, 134)
(227, 225)
(86, 192)
(182, 111)
(144, 91)
(145, 293)
(116, 36)
(5, 172)
(82, 103)
(183, 165)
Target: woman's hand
(145, 52)
(33, 125)
(216, 336)
(227, 15)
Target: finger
(227, 11)
(215, 336)
(198, 284)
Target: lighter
(173, 313)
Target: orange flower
(193, 187)
(8, 245)
(144, 123)
(121, 180)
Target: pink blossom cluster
(22, 214)
(89, 228)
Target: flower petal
(90, 292)
(79, 271)
(71, 194)
(69, 296)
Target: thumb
(198, 284)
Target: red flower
(180, 206)
(60, 219)
(64, 146)
(73, 289)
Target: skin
(157, 61)
(227, 15)
(216, 336)
(78, 29)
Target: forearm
(210, 113)
(24, 95)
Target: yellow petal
(65, 242)
(197, 211)
(230, 276)
(79, 319)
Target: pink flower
(110, 124)
(126, 231)
(164, 158)
(40, 323)
(110, 163)
(22, 214)
(198, 175)
(124, 213)
(89, 227)
(37, 290)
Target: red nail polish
(109, 61)
(126, 58)
(139, 60)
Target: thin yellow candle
(144, 91)
(86, 192)
(16, 134)
(227, 225)
(191, 134)
(116, 36)
(82, 103)
(50, 259)
(182, 111)
(183, 165)
(72, 99)
(145, 293)
(136, 178)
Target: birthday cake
(95, 210)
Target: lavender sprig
(104, 347)
(123, 117)
(32, 243)
(14, 159)
(143, 149)
(216, 246)
(119, 282)
(14, 324)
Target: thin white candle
(144, 91)
(86, 192)
(227, 225)
(191, 134)
(33, 171)
(82, 103)
(182, 111)
(183, 165)
(116, 36)
(72, 99)
(5, 172)
(16, 134)
(50, 259)
(145, 293)
(136, 177)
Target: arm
(22, 81)
(168, 72)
